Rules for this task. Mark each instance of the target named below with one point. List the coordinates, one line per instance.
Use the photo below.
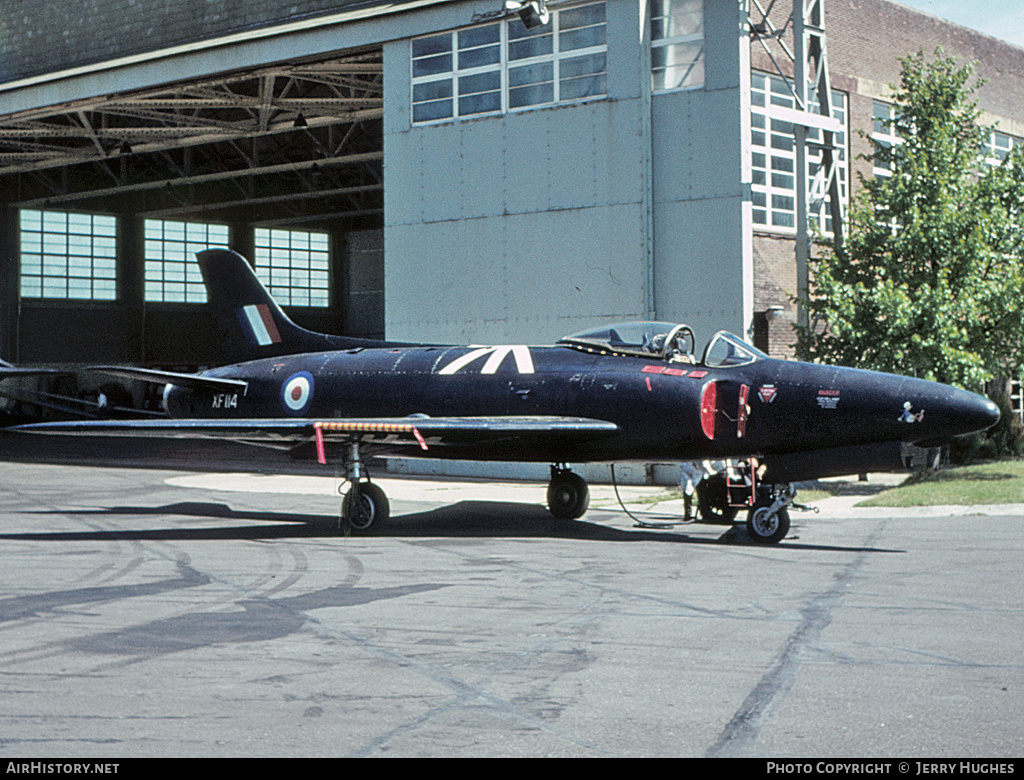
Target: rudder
(251, 324)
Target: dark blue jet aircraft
(629, 392)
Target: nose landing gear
(723, 494)
(768, 519)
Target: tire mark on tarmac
(739, 738)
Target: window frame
(773, 178)
(663, 12)
(282, 258)
(74, 257)
(468, 65)
(997, 152)
(175, 259)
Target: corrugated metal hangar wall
(527, 225)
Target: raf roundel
(297, 392)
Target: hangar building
(436, 170)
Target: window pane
(534, 46)
(483, 103)
(504, 66)
(476, 58)
(583, 16)
(676, 18)
(170, 258)
(588, 65)
(428, 112)
(534, 95)
(678, 65)
(67, 255)
(584, 38)
(577, 89)
(432, 65)
(531, 74)
(283, 262)
(435, 44)
(480, 82)
(479, 36)
(432, 90)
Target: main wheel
(765, 529)
(365, 508)
(713, 500)
(568, 495)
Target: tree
(929, 279)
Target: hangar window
(67, 255)
(502, 66)
(295, 266)
(773, 157)
(677, 44)
(172, 273)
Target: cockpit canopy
(664, 340)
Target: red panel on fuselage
(708, 405)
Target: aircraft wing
(6, 372)
(399, 432)
(174, 378)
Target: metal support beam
(300, 127)
(812, 92)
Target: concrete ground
(156, 613)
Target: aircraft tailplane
(252, 325)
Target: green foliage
(929, 279)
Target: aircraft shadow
(465, 520)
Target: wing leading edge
(400, 432)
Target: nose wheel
(766, 526)
(768, 519)
(568, 494)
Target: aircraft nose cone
(985, 414)
(971, 413)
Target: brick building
(866, 39)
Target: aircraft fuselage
(663, 409)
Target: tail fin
(251, 324)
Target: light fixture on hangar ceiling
(533, 13)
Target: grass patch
(999, 482)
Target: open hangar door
(279, 150)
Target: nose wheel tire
(766, 528)
(365, 508)
(568, 495)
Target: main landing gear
(568, 493)
(364, 508)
